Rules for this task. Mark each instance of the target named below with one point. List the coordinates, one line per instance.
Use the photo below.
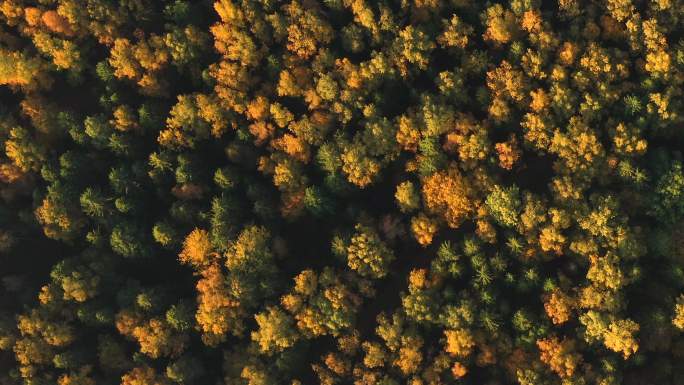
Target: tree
(504, 205)
(322, 303)
(226, 178)
(361, 169)
(251, 252)
(456, 33)
(142, 375)
(196, 249)
(18, 69)
(78, 281)
(64, 53)
(579, 147)
(605, 272)
(185, 125)
(157, 339)
(57, 23)
(276, 331)
(218, 312)
(501, 24)
(507, 83)
(368, 254)
(447, 261)
(318, 202)
(413, 46)
(232, 39)
(407, 197)
(421, 302)
(23, 150)
(93, 203)
(128, 240)
(226, 213)
(669, 204)
(558, 307)
(141, 62)
(620, 337)
(98, 129)
(423, 229)
(307, 31)
(60, 217)
(559, 355)
(165, 234)
(410, 358)
(678, 320)
(186, 45)
(458, 342)
(431, 191)
(447, 194)
(508, 152)
(180, 316)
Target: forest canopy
(423, 192)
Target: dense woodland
(422, 192)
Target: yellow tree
(502, 26)
(508, 152)
(57, 23)
(157, 339)
(197, 250)
(361, 168)
(218, 312)
(141, 62)
(558, 307)
(448, 195)
(307, 30)
(143, 375)
(459, 343)
(407, 197)
(678, 320)
(620, 337)
(17, 69)
(423, 229)
(559, 355)
(368, 254)
(456, 33)
(276, 331)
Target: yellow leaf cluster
(459, 342)
(447, 194)
(559, 355)
(196, 248)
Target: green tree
(504, 205)
(128, 240)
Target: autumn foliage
(423, 192)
